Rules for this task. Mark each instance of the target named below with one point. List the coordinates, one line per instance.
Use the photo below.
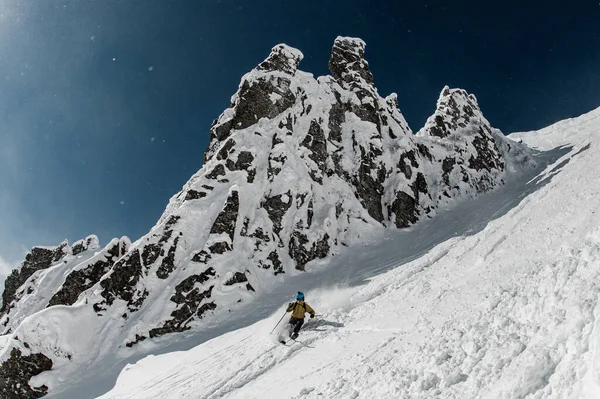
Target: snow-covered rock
(57, 276)
(296, 169)
(498, 297)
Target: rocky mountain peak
(264, 92)
(456, 110)
(347, 62)
(283, 58)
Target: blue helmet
(300, 296)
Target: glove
(312, 315)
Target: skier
(298, 309)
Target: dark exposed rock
(193, 194)
(315, 142)
(276, 140)
(224, 151)
(276, 208)
(309, 214)
(122, 249)
(205, 307)
(368, 113)
(80, 280)
(173, 219)
(251, 175)
(275, 164)
(405, 210)
(338, 210)
(244, 161)
(244, 229)
(138, 300)
(168, 263)
(150, 254)
(17, 370)
(258, 234)
(301, 255)
(226, 220)
(37, 259)
(61, 251)
(123, 280)
(138, 338)
(255, 101)
(237, 278)
(424, 151)
(447, 166)
(368, 189)
(347, 62)
(188, 283)
(336, 118)
(488, 157)
(189, 309)
(405, 166)
(166, 236)
(287, 124)
(218, 170)
(300, 199)
(201, 257)
(439, 129)
(219, 131)
(78, 248)
(277, 265)
(219, 247)
(419, 186)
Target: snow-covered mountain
(296, 170)
(497, 297)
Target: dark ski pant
(296, 324)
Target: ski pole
(278, 323)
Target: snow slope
(494, 298)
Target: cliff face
(296, 168)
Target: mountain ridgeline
(296, 169)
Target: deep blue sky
(105, 105)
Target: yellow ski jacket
(299, 309)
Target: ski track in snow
(496, 298)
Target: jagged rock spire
(347, 62)
(264, 92)
(456, 109)
(282, 58)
